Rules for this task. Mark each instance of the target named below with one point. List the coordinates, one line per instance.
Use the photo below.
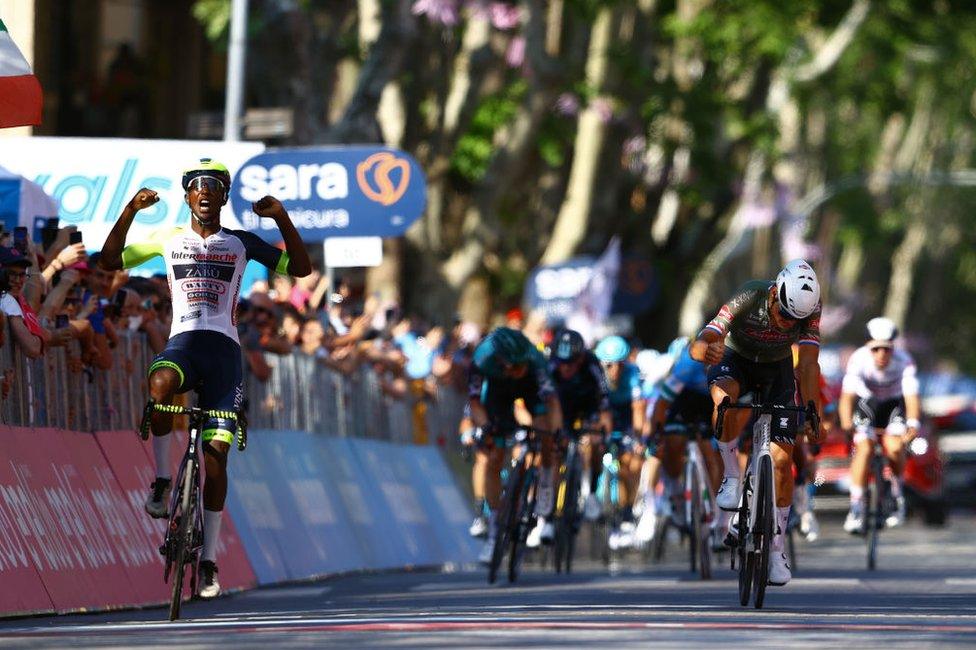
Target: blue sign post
(334, 192)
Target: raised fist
(269, 207)
(144, 198)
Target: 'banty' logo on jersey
(203, 285)
(221, 272)
(383, 177)
(292, 183)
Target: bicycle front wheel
(184, 537)
(874, 517)
(507, 519)
(747, 560)
(523, 524)
(764, 529)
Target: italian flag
(20, 92)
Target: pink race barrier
(23, 591)
(73, 533)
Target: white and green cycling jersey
(204, 275)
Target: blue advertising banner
(333, 191)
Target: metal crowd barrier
(302, 394)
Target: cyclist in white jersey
(879, 395)
(204, 267)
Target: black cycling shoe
(209, 587)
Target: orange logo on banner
(378, 168)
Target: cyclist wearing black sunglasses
(749, 345)
(204, 267)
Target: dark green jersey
(745, 322)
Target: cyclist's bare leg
(863, 449)
(672, 456)
(547, 456)
(783, 468)
(163, 384)
(630, 465)
(494, 460)
(215, 467)
(734, 422)
(479, 470)
(895, 451)
(713, 463)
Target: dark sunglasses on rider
(878, 348)
(211, 183)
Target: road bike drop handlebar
(810, 411)
(194, 412)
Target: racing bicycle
(756, 520)
(567, 509)
(183, 540)
(880, 501)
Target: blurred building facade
(112, 68)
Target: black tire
(694, 526)
(523, 525)
(184, 538)
(791, 548)
(874, 517)
(747, 561)
(701, 536)
(506, 519)
(765, 526)
(567, 523)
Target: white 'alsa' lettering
(288, 183)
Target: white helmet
(882, 329)
(797, 289)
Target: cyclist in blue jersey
(506, 367)
(584, 396)
(204, 267)
(627, 408)
(682, 411)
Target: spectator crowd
(54, 296)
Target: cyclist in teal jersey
(507, 367)
(749, 345)
(204, 267)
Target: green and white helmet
(207, 167)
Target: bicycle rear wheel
(184, 537)
(874, 517)
(764, 530)
(702, 537)
(692, 498)
(507, 518)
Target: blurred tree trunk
(573, 220)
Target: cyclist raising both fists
(748, 345)
(204, 267)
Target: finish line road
(922, 595)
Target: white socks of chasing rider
(161, 445)
(782, 517)
(857, 496)
(211, 532)
(730, 457)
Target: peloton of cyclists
(748, 346)
(879, 396)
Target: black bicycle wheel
(184, 538)
(693, 493)
(568, 524)
(747, 561)
(523, 524)
(702, 538)
(874, 517)
(507, 518)
(765, 525)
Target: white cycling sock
(857, 495)
(161, 446)
(782, 517)
(730, 458)
(211, 532)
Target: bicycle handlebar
(810, 410)
(176, 409)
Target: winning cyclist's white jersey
(204, 275)
(867, 381)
